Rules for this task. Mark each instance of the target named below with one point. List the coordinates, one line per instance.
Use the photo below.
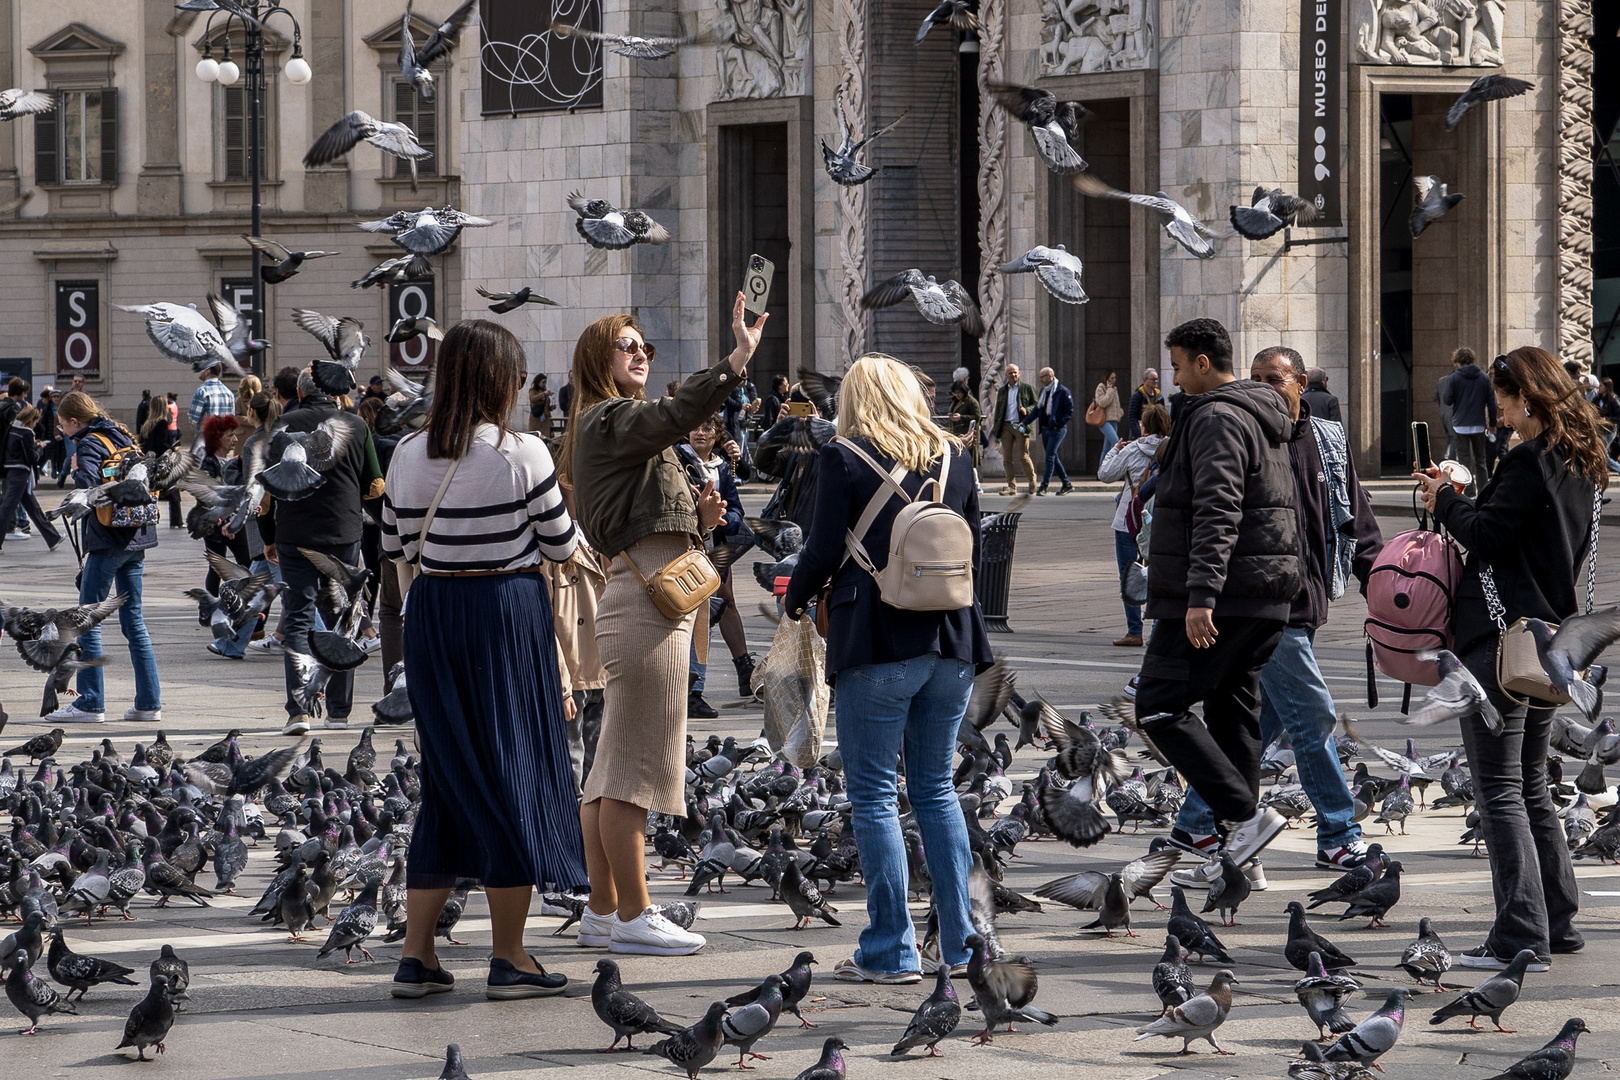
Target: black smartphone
(1420, 446)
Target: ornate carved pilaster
(993, 224)
(851, 97)
(1575, 181)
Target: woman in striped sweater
(476, 508)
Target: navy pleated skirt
(498, 798)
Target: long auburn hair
(1570, 424)
(883, 401)
(476, 379)
(592, 376)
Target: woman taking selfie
(475, 507)
(1529, 533)
(903, 676)
(639, 510)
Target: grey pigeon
(29, 939)
(426, 231)
(1269, 212)
(1374, 902)
(1193, 235)
(300, 459)
(1228, 891)
(623, 1011)
(31, 996)
(1087, 889)
(1430, 202)
(1005, 990)
(1398, 806)
(1302, 941)
(1375, 1036)
(1193, 933)
(1073, 813)
(934, 1019)
(1171, 979)
(1053, 126)
(284, 263)
(150, 1020)
(354, 925)
(694, 1047)
(1196, 1018)
(840, 163)
(747, 1024)
(1351, 881)
(348, 131)
(407, 328)
(804, 899)
(637, 48)
(89, 890)
(1115, 910)
(830, 1066)
(175, 969)
(414, 63)
(40, 746)
(604, 225)
(1490, 998)
(943, 304)
(1555, 1061)
(1484, 88)
(1571, 649)
(1314, 1067)
(503, 302)
(1323, 996)
(82, 972)
(795, 987)
(1056, 269)
(297, 909)
(959, 15)
(454, 1067)
(1427, 957)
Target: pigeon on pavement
(1323, 995)
(934, 1019)
(1087, 889)
(804, 899)
(1005, 990)
(150, 1020)
(33, 997)
(831, 1064)
(1302, 941)
(1490, 998)
(1228, 891)
(1375, 900)
(694, 1047)
(1555, 1061)
(354, 925)
(1375, 1036)
(747, 1024)
(1196, 1018)
(795, 987)
(1427, 957)
(1171, 979)
(176, 969)
(1351, 881)
(1193, 932)
(82, 972)
(622, 1010)
(1314, 1067)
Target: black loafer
(507, 983)
(412, 980)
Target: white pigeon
(426, 231)
(183, 333)
(943, 304)
(1184, 229)
(1458, 694)
(17, 102)
(337, 140)
(1056, 269)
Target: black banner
(78, 329)
(412, 300)
(238, 292)
(1320, 48)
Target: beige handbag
(1518, 668)
(681, 585)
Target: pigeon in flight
(393, 272)
(1051, 124)
(502, 302)
(637, 48)
(1005, 990)
(1056, 270)
(300, 459)
(960, 15)
(1571, 649)
(1458, 694)
(409, 328)
(942, 304)
(841, 164)
(287, 263)
(604, 225)
(183, 333)
(414, 62)
(343, 338)
(43, 637)
(16, 102)
(1184, 229)
(1429, 203)
(396, 139)
(1484, 88)
(426, 231)
(1269, 212)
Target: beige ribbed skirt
(641, 754)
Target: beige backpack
(930, 565)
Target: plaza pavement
(262, 1008)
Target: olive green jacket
(628, 480)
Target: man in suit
(1015, 409)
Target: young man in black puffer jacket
(1223, 569)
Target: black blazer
(1532, 524)
(861, 628)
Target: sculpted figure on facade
(764, 47)
(1450, 33)
(1098, 35)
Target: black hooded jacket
(1225, 533)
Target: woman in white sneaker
(638, 510)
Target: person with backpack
(116, 540)
(1531, 538)
(1223, 570)
(1339, 538)
(904, 672)
(1133, 461)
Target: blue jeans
(237, 646)
(101, 570)
(913, 706)
(298, 600)
(1110, 436)
(1124, 553)
(1050, 441)
(1295, 698)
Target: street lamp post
(226, 73)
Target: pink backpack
(1410, 592)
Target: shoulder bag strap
(433, 508)
(1591, 554)
(853, 538)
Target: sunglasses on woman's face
(630, 346)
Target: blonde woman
(903, 676)
(245, 389)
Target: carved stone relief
(1575, 181)
(851, 98)
(1098, 35)
(994, 224)
(764, 47)
(1448, 33)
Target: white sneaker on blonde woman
(595, 931)
(650, 934)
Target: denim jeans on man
(913, 706)
(299, 602)
(103, 570)
(1124, 554)
(1295, 698)
(1050, 442)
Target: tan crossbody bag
(681, 585)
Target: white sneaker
(371, 644)
(650, 934)
(297, 725)
(1199, 877)
(18, 535)
(596, 931)
(339, 723)
(266, 644)
(1257, 876)
(72, 714)
(144, 716)
(1250, 838)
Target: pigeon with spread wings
(1056, 270)
(1269, 212)
(944, 304)
(18, 102)
(299, 459)
(1193, 235)
(1484, 88)
(841, 164)
(414, 62)
(284, 261)
(1430, 203)
(1052, 124)
(960, 15)
(631, 45)
(426, 231)
(183, 333)
(42, 637)
(502, 302)
(604, 225)
(389, 137)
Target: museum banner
(1320, 52)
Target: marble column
(1575, 181)
(326, 188)
(158, 188)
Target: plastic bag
(792, 682)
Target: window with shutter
(47, 151)
(81, 160)
(421, 117)
(238, 137)
(109, 135)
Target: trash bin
(997, 535)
